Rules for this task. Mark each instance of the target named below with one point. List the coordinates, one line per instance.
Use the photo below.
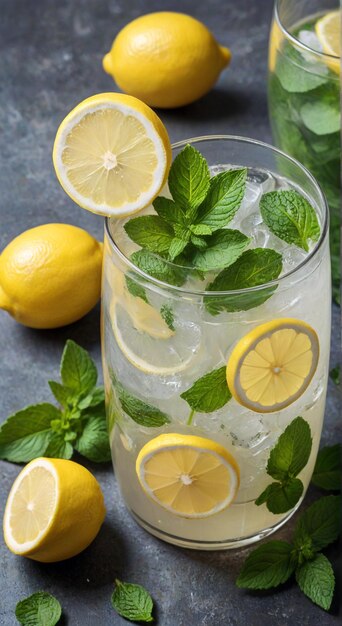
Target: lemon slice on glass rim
(190, 476)
(328, 31)
(273, 364)
(112, 154)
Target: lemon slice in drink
(112, 154)
(328, 30)
(189, 476)
(272, 365)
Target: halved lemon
(112, 154)
(187, 475)
(328, 30)
(54, 510)
(272, 365)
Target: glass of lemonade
(202, 381)
(304, 96)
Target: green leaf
(316, 579)
(335, 374)
(320, 522)
(253, 268)
(62, 394)
(170, 212)
(291, 452)
(199, 242)
(78, 370)
(167, 315)
(26, 434)
(59, 447)
(224, 247)
(200, 230)
(150, 232)
(142, 413)
(132, 602)
(176, 247)
(94, 442)
(268, 566)
(281, 497)
(158, 268)
(293, 77)
(290, 217)
(135, 289)
(327, 472)
(208, 393)
(189, 179)
(40, 609)
(93, 399)
(322, 118)
(223, 199)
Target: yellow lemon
(189, 476)
(50, 275)
(328, 30)
(54, 510)
(112, 154)
(167, 59)
(273, 364)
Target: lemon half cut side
(273, 364)
(190, 476)
(112, 154)
(328, 30)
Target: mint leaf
(290, 217)
(281, 497)
(320, 522)
(291, 452)
(223, 248)
(176, 247)
(26, 434)
(268, 566)
(327, 472)
(170, 212)
(316, 579)
(150, 232)
(132, 602)
(158, 268)
(93, 399)
(135, 289)
(62, 394)
(167, 315)
(335, 374)
(293, 78)
(39, 609)
(253, 268)
(322, 118)
(142, 413)
(199, 242)
(78, 370)
(93, 442)
(200, 229)
(189, 179)
(58, 447)
(208, 393)
(223, 199)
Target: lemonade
(170, 326)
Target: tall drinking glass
(158, 338)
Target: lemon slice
(328, 30)
(187, 475)
(112, 154)
(54, 510)
(272, 365)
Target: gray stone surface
(51, 54)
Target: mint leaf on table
(135, 289)
(208, 393)
(39, 609)
(167, 315)
(223, 199)
(316, 579)
(224, 247)
(142, 413)
(26, 434)
(158, 268)
(93, 442)
(327, 471)
(62, 394)
(253, 268)
(290, 217)
(189, 179)
(268, 566)
(96, 397)
(132, 602)
(59, 447)
(335, 374)
(78, 370)
(320, 522)
(321, 118)
(150, 232)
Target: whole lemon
(166, 59)
(50, 275)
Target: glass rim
(272, 283)
(297, 42)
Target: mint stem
(190, 418)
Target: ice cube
(309, 39)
(261, 178)
(248, 430)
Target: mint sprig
(208, 393)
(79, 424)
(287, 459)
(39, 609)
(223, 248)
(132, 602)
(223, 200)
(327, 471)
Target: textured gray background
(51, 53)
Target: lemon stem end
(226, 55)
